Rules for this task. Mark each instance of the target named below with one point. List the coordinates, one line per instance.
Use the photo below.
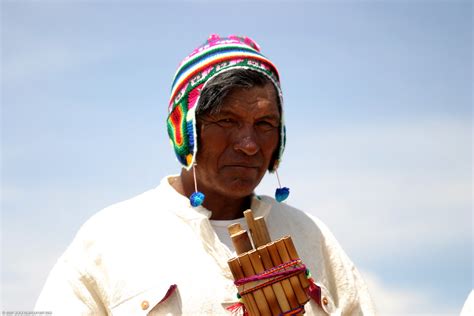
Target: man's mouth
(239, 165)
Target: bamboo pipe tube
(241, 242)
(262, 231)
(267, 290)
(277, 288)
(251, 224)
(257, 294)
(290, 246)
(238, 274)
(294, 280)
(258, 229)
(287, 288)
(234, 228)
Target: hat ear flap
(178, 132)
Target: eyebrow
(270, 116)
(223, 112)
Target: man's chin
(240, 187)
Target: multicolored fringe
(314, 291)
(238, 309)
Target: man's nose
(246, 141)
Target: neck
(222, 207)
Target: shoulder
(152, 206)
(146, 216)
(294, 220)
(100, 264)
(315, 243)
(332, 269)
(124, 214)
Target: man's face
(237, 144)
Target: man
(165, 252)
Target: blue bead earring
(281, 194)
(197, 197)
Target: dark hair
(217, 89)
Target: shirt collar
(182, 208)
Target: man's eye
(226, 122)
(266, 125)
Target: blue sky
(378, 105)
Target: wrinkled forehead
(241, 100)
(251, 100)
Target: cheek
(269, 143)
(212, 143)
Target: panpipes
(270, 278)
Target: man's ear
(271, 165)
(198, 130)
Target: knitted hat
(215, 56)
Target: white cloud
(396, 301)
(23, 278)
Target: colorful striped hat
(216, 55)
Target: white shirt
(468, 308)
(156, 255)
(222, 232)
